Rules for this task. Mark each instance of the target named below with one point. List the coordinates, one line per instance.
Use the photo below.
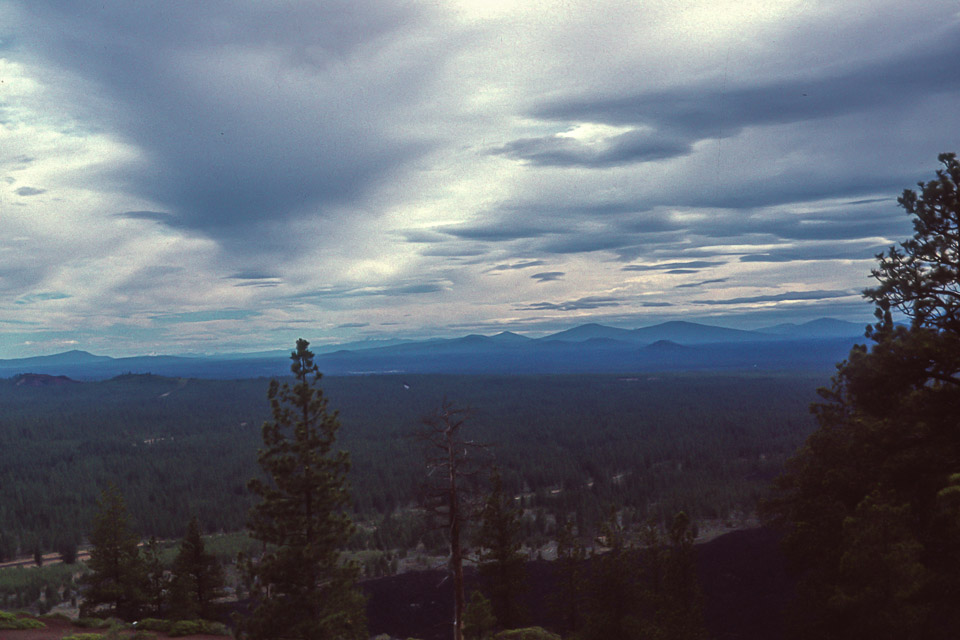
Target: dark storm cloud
(548, 276)
(29, 191)
(691, 264)
(244, 114)
(589, 302)
(781, 297)
(688, 114)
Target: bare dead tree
(450, 494)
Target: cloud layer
(232, 175)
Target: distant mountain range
(588, 348)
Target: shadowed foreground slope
(743, 576)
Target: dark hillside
(743, 576)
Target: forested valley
(704, 443)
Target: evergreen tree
(157, 582)
(669, 588)
(863, 503)
(116, 577)
(478, 619)
(300, 587)
(197, 578)
(568, 599)
(502, 565)
(613, 606)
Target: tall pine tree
(117, 575)
(299, 586)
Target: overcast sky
(228, 176)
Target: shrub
(197, 627)
(154, 624)
(56, 616)
(84, 636)
(92, 623)
(10, 622)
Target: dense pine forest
(576, 445)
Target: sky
(220, 176)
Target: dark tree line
(707, 444)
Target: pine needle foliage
(299, 585)
(117, 575)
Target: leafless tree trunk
(451, 461)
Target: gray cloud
(422, 236)
(781, 297)
(41, 296)
(691, 285)
(454, 251)
(412, 289)
(255, 279)
(353, 325)
(692, 113)
(526, 264)
(253, 275)
(586, 242)
(548, 276)
(589, 302)
(625, 148)
(29, 191)
(690, 264)
(494, 232)
(362, 292)
(255, 121)
(167, 219)
(205, 316)
(816, 251)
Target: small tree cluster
(126, 581)
(645, 590)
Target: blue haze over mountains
(590, 348)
